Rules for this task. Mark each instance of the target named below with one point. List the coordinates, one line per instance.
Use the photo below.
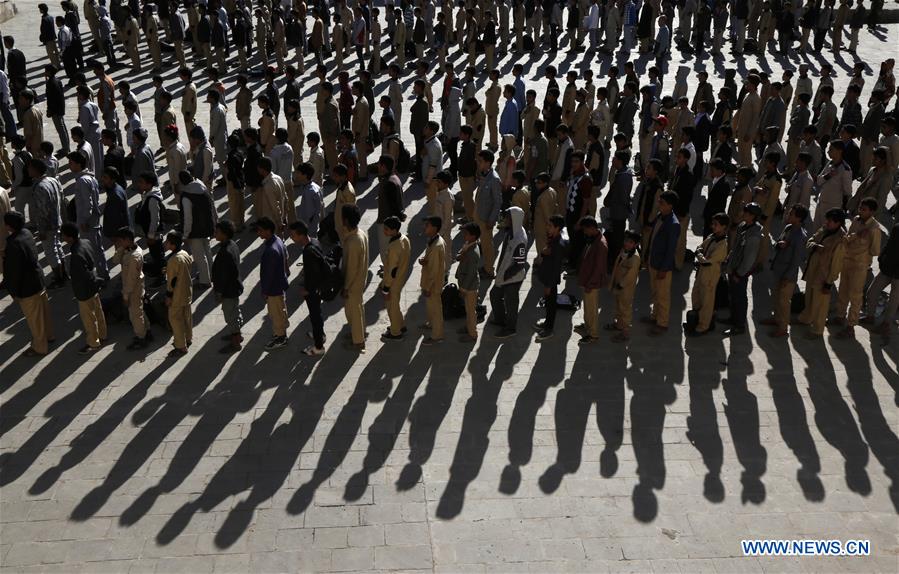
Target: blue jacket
(115, 212)
(786, 262)
(508, 121)
(273, 268)
(664, 242)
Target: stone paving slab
(512, 457)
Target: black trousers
(616, 239)
(739, 302)
(550, 302)
(314, 304)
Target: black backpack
(453, 304)
(332, 283)
(403, 159)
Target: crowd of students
(600, 176)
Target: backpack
(403, 159)
(453, 304)
(332, 283)
(374, 134)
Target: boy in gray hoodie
(510, 274)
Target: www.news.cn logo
(806, 547)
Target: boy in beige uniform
(355, 268)
(188, 99)
(624, 283)
(862, 245)
(491, 106)
(826, 250)
(544, 209)
(178, 294)
(442, 207)
(243, 105)
(433, 271)
(709, 257)
(396, 271)
(272, 200)
(345, 195)
(130, 256)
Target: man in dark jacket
(24, 280)
(227, 284)
(740, 264)
(390, 202)
(719, 191)
(316, 271)
(113, 156)
(115, 210)
(417, 121)
(548, 268)
(618, 202)
(56, 108)
(86, 287)
(888, 262)
(198, 224)
(683, 185)
(593, 274)
(662, 246)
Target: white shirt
(691, 163)
(4, 87)
(64, 38)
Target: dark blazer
(226, 271)
(48, 29)
(314, 266)
(115, 212)
(82, 270)
(664, 243)
(703, 134)
(56, 98)
(21, 272)
(717, 202)
(419, 118)
(682, 184)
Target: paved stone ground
(660, 456)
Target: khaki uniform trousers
(851, 291)
(94, 321)
(490, 55)
(52, 53)
(471, 317)
(235, 206)
(330, 149)
(466, 184)
(492, 127)
(817, 303)
(37, 314)
(660, 294)
(624, 308)
(783, 295)
(181, 320)
(394, 313)
(792, 153)
(591, 312)
(744, 152)
(434, 307)
(488, 252)
(179, 52)
(136, 316)
(352, 308)
(681, 249)
(703, 298)
(277, 312)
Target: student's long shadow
(232, 395)
(159, 416)
(878, 355)
(880, 435)
(833, 416)
(704, 365)
(597, 377)
(547, 372)
(791, 415)
(481, 408)
(61, 414)
(393, 360)
(742, 412)
(265, 457)
(54, 372)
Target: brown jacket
(825, 258)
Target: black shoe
(389, 337)
(137, 344)
(276, 343)
(505, 334)
(543, 335)
(87, 350)
(734, 331)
